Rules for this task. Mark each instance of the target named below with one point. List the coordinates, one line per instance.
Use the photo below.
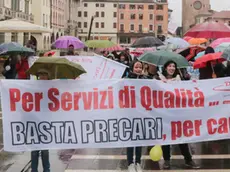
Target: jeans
(45, 160)
(184, 151)
(130, 152)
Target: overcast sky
(175, 5)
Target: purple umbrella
(65, 41)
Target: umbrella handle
(56, 71)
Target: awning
(16, 25)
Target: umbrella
(219, 41)
(111, 49)
(202, 61)
(6, 46)
(17, 50)
(65, 41)
(220, 48)
(159, 58)
(59, 68)
(148, 41)
(197, 41)
(209, 30)
(190, 52)
(100, 44)
(49, 53)
(178, 43)
(187, 38)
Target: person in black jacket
(9, 71)
(136, 69)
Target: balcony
(6, 13)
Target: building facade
(141, 18)
(71, 18)
(192, 8)
(220, 17)
(42, 11)
(20, 9)
(101, 16)
(57, 18)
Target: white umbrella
(16, 25)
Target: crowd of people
(15, 67)
(169, 72)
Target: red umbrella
(111, 49)
(209, 30)
(213, 57)
(51, 53)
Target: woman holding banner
(136, 69)
(171, 73)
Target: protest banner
(71, 114)
(97, 67)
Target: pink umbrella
(111, 49)
(219, 41)
(144, 49)
(187, 38)
(65, 41)
(209, 30)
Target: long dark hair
(164, 70)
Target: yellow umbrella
(197, 41)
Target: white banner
(70, 114)
(97, 67)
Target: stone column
(21, 38)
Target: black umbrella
(148, 41)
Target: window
(132, 27)
(114, 25)
(121, 6)
(79, 24)
(79, 13)
(122, 16)
(85, 14)
(97, 5)
(97, 14)
(150, 16)
(2, 37)
(115, 14)
(140, 7)
(102, 14)
(159, 7)
(151, 7)
(85, 5)
(97, 25)
(85, 24)
(102, 5)
(159, 29)
(150, 27)
(132, 7)
(140, 28)
(14, 37)
(160, 18)
(115, 5)
(121, 27)
(132, 16)
(102, 25)
(140, 16)
(27, 7)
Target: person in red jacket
(21, 67)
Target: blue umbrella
(6, 46)
(178, 43)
